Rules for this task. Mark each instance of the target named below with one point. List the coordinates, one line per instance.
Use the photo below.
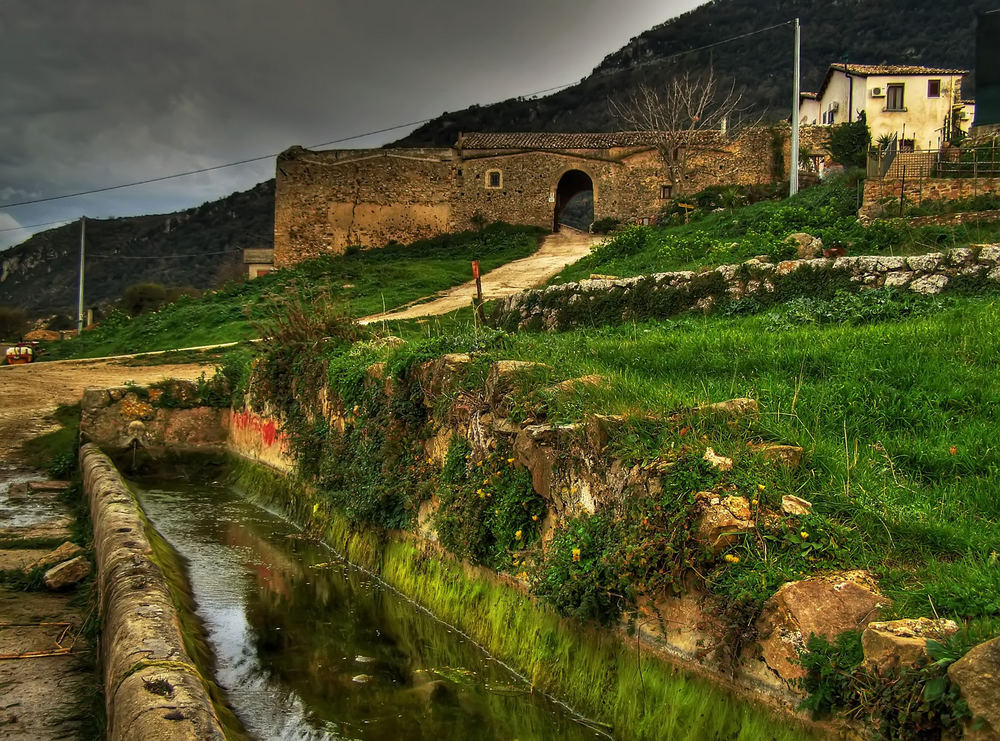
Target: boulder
(440, 376)
(824, 606)
(48, 486)
(571, 384)
(789, 456)
(722, 520)
(503, 377)
(929, 284)
(67, 574)
(977, 675)
(806, 245)
(65, 552)
(901, 643)
(795, 506)
(718, 461)
(735, 408)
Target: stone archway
(574, 186)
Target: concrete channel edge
(153, 689)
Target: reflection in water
(309, 647)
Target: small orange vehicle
(20, 354)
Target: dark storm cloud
(99, 92)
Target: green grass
(723, 237)
(366, 281)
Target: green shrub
(489, 513)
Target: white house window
(934, 88)
(894, 97)
(494, 179)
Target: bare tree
(688, 116)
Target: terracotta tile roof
(541, 140)
(894, 69)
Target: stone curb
(152, 687)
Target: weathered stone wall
(596, 302)
(328, 201)
(882, 196)
(153, 689)
(116, 419)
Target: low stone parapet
(153, 689)
(659, 295)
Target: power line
(259, 158)
(160, 257)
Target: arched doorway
(574, 201)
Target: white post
(793, 177)
(79, 303)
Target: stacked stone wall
(881, 197)
(599, 302)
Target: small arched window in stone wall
(494, 179)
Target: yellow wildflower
(510, 460)
(731, 558)
(804, 534)
(534, 518)
(760, 487)
(517, 535)
(479, 463)
(576, 555)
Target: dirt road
(557, 251)
(30, 393)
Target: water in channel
(308, 647)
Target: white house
(917, 104)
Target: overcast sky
(100, 92)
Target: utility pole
(79, 303)
(793, 177)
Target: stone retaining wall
(153, 689)
(917, 190)
(169, 417)
(599, 302)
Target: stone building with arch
(327, 201)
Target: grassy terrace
(366, 282)
(895, 408)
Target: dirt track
(557, 251)
(30, 393)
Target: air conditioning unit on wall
(878, 92)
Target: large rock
(67, 574)
(806, 245)
(722, 520)
(717, 461)
(795, 506)
(789, 456)
(977, 675)
(735, 408)
(63, 553)
(824, 606)
(504, 375)
(440, 376)
(901, 643)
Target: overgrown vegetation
(13, 323)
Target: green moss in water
(591, 669)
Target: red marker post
(479, 291)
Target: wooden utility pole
(79, 303)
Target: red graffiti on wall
(266, 429)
